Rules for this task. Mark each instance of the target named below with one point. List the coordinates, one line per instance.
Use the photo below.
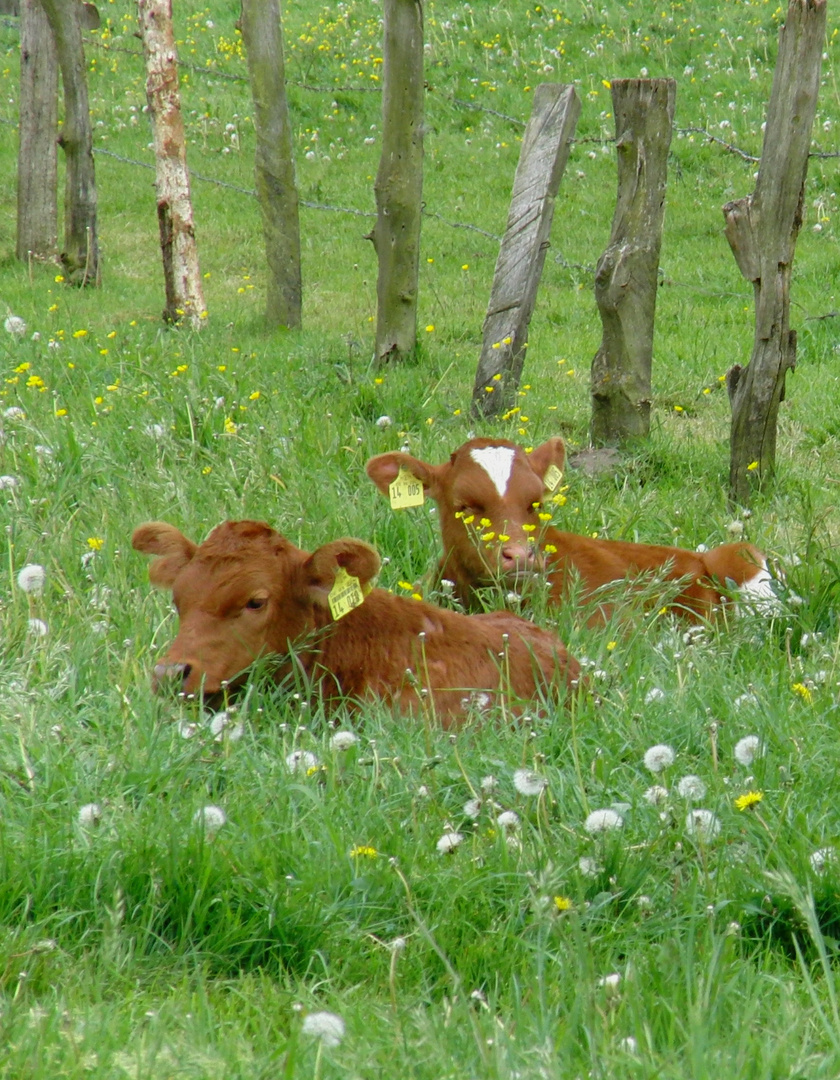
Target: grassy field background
(137, 939)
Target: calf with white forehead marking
(248, 593)
(490, 496)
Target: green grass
(139, 945)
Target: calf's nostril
(185, 671)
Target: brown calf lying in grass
(247, 593)
(490, 496)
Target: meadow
(647, 885)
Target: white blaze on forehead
(758, 594)
(497, 462)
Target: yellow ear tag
(552, 478)
(345, 594)
(406, 490)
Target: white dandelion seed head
(659, 757)
(31, 579)
(448, 842)
(702, 825)
(628, 1045)
(654, 694)
(326, 1026)
(8, 483)
(822, 858)
(745, 699)
(691, 787)
(748, 749)
(656, 795)
(15, 325)
(489, 784)
(301, 761)
(38, 628)
(472, 808)
(611, 983)
(14, 412)
(527, 782)
(735, 528)
(384, 421)
(155, 431)
(211, 818)
(589, 867)
(187, 729)
(343, 740)
(508, 819)
(89, 815)
(603, 821)
(223, 726)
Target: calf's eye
(256, 602)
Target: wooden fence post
(37, 173)
(184, 293)
(399, 181)
(626, 276)
(542, 161)
(274, 165)
(762, 230)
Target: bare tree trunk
(542, 162)
(37, 200)
(626, 277)
(182, 278)
(274, 165)
(81, 244)
(399, 181)
(762, 230)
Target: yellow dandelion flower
(749, 800)
(95, 543)
(803, 691)
(753, 465)
(563, 903)
(529, 528)
(430, 329)
(488, 536)
(544, 516)
(254, 396)
(469, 520)
(406, 585)
(230, 427)
(363, 851)
(550, 549)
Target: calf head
(243, 594)
(489, 496)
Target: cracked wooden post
(626, 276)
(762, 230)
(399, 181)
(184, 293)
(542, 161)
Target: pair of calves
(247, 592)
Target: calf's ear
(383, 470)
(173, 549)
(359, 559)
(551, 452)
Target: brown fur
(247, 592)
(460, 485)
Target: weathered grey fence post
(274, 165)
(399, 181)
(762, 230)
(542, 161)
(37, 173)
(626, 276)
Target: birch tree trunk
(274, 166)
(626, 276)
(762, 230)
(37, 172)
(182, 278)
(542, 162)
(399, 181)
(81, 244)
